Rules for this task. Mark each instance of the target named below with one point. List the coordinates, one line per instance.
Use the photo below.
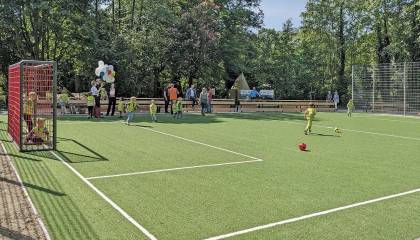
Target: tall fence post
(405, 87)
(352, 82)
(373, 89)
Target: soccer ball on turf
(302, 147)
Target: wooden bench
(78, 105)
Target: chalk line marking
(357, 131)
(25, 192)
(254, 159)
(173, 169)
(200, 143)
(108, 200)
(312, 215)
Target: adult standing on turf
(191, 95)
(173, 96)
(329, 97)
(166, 97)
(336, 100)
(210, 99)
(112, 100)
(95, 93)
(204, 99)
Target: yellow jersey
(310, 113)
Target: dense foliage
(209, 42)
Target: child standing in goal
(131, 108)
(350, 107)
(153, 110)
(309, 116)
(29, 110)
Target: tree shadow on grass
(32, 186)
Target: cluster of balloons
(106, 72)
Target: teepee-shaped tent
(241, 83)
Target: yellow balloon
(113, 74)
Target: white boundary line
(173, 169)
(108, 200)
(25, 192)
(312, 215)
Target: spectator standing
(166, 97)
(95, 93)
(210, 99)
(336, 100)
(329, 97)
(173, 96)
(191, 95)
(112, 100)
(204, 98)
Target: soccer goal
(387, 88)
(32, 104)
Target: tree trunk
(341, 52)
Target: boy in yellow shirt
(310, 115)
(350, 107)
(121, 106)
(90, 103)
(131, 108)
(178, 108)
(39, 133)
(153, 110)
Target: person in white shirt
(112, 100)
(95, 93)
(336, 100)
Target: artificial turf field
(225, 173)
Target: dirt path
(17, 218)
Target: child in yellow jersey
(350, 107)
(121, 106)
(310, 115)
(39, 133)
(63, 99)
(131, 108)
(90, 103)
(153, 110)
(178, 108)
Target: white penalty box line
(254, 159)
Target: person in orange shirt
(173, 96)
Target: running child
(310, 115)
(131, 108)
(121, 106)
(39, 133)
(350, 107)
(90, 103)
(153, 110)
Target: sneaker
(306, 132)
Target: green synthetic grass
(205, 202)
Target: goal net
(387, 88)
(32, 105)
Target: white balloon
(98, 71)
(101, 63)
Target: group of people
(171, 94)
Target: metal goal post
(32, 105)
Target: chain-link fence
(387, 88)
